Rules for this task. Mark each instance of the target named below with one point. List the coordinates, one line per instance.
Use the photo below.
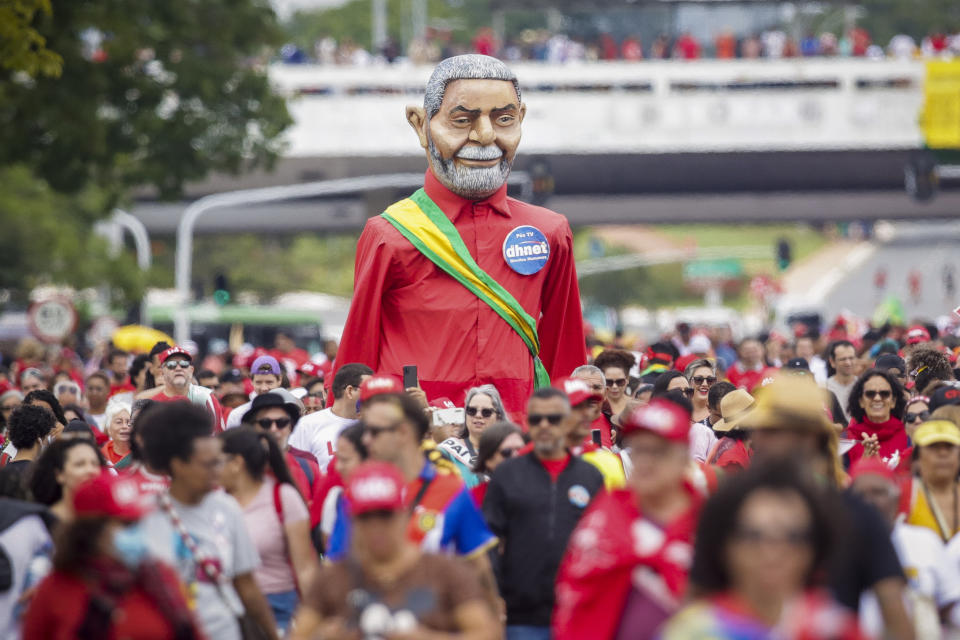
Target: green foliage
(918, 18)
(269, 265)
(22, 47)
(46, 239)
(152, 93)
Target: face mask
(130, 545)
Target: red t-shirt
(555, 467)
(60, 604)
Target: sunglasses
(507, 452)
(376, 431)
(699, 380)
(267, 423)
(689, 391)
(67, 388)
(177, 364)
(486, 413)
(791, 537)
(619, 382)
(871, 394)
(535, 419)
(921, 416)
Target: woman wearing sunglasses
(482, 408)
(615, 365)
(499, 443)
(916, 413)
(701, 374)
(876, 401)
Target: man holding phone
(473, 286)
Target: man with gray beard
(468, 284)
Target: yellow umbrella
(138, 338)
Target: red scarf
(611, 541)
(891, 435)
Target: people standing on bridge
(470, 285)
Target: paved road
(927, 247)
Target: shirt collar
(452, 204)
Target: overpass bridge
(718, 140)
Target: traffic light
(221, 290)
(784, 254)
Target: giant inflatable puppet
(469, 285)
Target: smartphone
(410, 376)
(448, 416)
(595, 433)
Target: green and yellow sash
(422, 222)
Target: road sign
(52, 319)
(718, 269)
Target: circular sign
(52, 320)
(526, 250)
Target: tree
(152, 93)
(46, 239)
(22, 48)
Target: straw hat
(734, 407)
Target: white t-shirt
(29, 547)
(219, 531)
(702, 440)
(317, 433)
(933, 580)
(236, 415)
(842, 392)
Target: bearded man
(471, 286)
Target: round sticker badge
(578, 496)
(526, 250)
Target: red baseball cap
(375, 486)
(111, 496)
(379, 383)
(577, 390)
(872, 466)
(661, 417)
(175, 351)
(443, 403)
(917, 334)
(312, 370)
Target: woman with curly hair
(875, 406)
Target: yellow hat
(734, 407)
(789, 402)
(936, 431)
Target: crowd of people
(800, 487)
(542, 45)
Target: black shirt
(865, 554)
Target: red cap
(175, 351)
(111, 496)
(375, 385)
(375, 486)
(661, 417)
(872, 466)
(312, 370)
(917, 334)
(443, 403)
(577, 390)
(682, 362)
